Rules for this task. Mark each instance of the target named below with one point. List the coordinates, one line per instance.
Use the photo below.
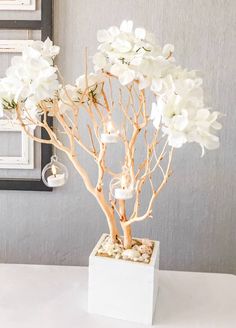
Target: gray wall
(195, 214)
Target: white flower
(126, 26)
(108, 35)
(143, 82)
(99, 61)
(123, 72)
(173, 117)
(155, 116)
(175, 129)
(133, 56)
(31, 78)
(176, 139)
(45, 85)
(94, 84)
(121, 45)
(168, 50)
(140, 33)
(92, 80)
(114, 31)
(45, 49)
(183, 121)
(179, 112)
(203, 125)
(137, 52)
(190, 88)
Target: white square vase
(123, 289)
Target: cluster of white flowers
(181, 114)
(67, 94)
(70, 93)
(31, 77)
(179, 108)
(93, 83)
(133, 55)
(130, 55)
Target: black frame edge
(20, 24)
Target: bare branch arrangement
(131, 70)
(99, 114)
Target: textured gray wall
(195, 214)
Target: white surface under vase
(123, 289)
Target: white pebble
(147, 242)
(131, 254)
(145, 256)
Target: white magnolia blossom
(31, 77)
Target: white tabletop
(34, 296)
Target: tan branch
(154, 195)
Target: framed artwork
(27, 156)
(17, 4)
(25, 160)
(14, 46)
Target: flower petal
(121, 45)
(126, 26)
(136, 61)
(156, 85)
(154, 111)
(99, 60)
(216, 126)
(114, 31)
(118, 69)
(143, 83)
(180, 122)
(126, 77)
(177, 140)
(203, 114)
(167, 50)
(140, 33)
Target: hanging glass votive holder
(54, 174)
(110, 133)
(120, 189)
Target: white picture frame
(26, 160)
(13, 46)
(17, 4)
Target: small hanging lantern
(110, 134)
(122, 188)
(54, 174)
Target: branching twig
(154, 195)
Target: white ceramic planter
(123, 289)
